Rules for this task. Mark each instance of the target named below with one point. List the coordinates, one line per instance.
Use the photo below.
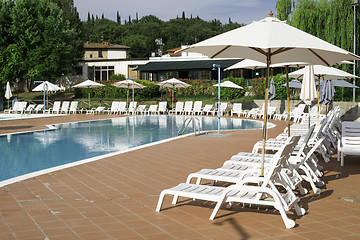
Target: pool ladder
(186, 123)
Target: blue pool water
(29, 152)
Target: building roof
(104, 45)
(186, 65)
(172, 53)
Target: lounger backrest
(141, 108)
(39, 107)
(30, 107)
(153, 108)
(65, 106)
(188, 106)
(73, 106)
(179, 106)
(223, 107)
(22, 106)
(132, 106)
(306, 140)
(207, 108)
(56, 106)
(197, 106)
(122, 107)
(237, 107)
(162, 106)
(114, 106)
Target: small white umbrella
(46, 87)
(88, 84)
(228, 84)
(324, 72)
(128, 83)
(308, 89)
(173, 83)
(8, 93)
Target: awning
(185, 65)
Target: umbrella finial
(271, 14)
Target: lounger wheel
(289, 223)
(317, 191)
(320, 184)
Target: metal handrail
(186, 123)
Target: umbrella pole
(318, 106)
(288, 99)
(127, 97)
(309, 114)
(89, 97)
(268, 62)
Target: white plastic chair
(55, 109)
(350, 140)
(65, 107)
(236, 109)
(73, 107)
(188, 107)
(179, 108)
(197, 108)
(162, 107)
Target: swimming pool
(71, 142)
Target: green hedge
(153, 91)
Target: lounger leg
(287, 221)
(174, 201)
(342, 159)
(160, 201)
(216, 209)
(299, 211)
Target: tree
(39, 42)
(283, 9)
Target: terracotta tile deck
(115, 198)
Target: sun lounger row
(196, 108)
(293, 160)
(65, 107)
(23, 108)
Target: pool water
(29, 152)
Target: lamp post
(45, 86)
(133, 130)
(218, 68)
(354, 4)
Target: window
(90, 55)
(103, 73)
(100, 53)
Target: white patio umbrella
(324, 73)
(173, 83)
(272, 41)
(88, 84)
(8, 93)
(252, 64)
(308, 90)
(46, 87)
(128, 83)
(228, 84)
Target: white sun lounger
(264, 193)
(350, 140)
(55, 109)
(121, 108)
(179, 108)
(113, 109)
(208, 109)
(188, 107)
(197, 108)
(152, 110)
(73, 107)
(162, 107)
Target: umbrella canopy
(293, 84)
(272, 41)
(308, 90)
(248, 64)
(128, 83)
(272, 90)
(88, 84)
(48, 86)
(173, 83)
(343, 83)
(323, 72)
(8, 93)
(228, 84)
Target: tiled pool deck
(115, 198)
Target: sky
(241, 11)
